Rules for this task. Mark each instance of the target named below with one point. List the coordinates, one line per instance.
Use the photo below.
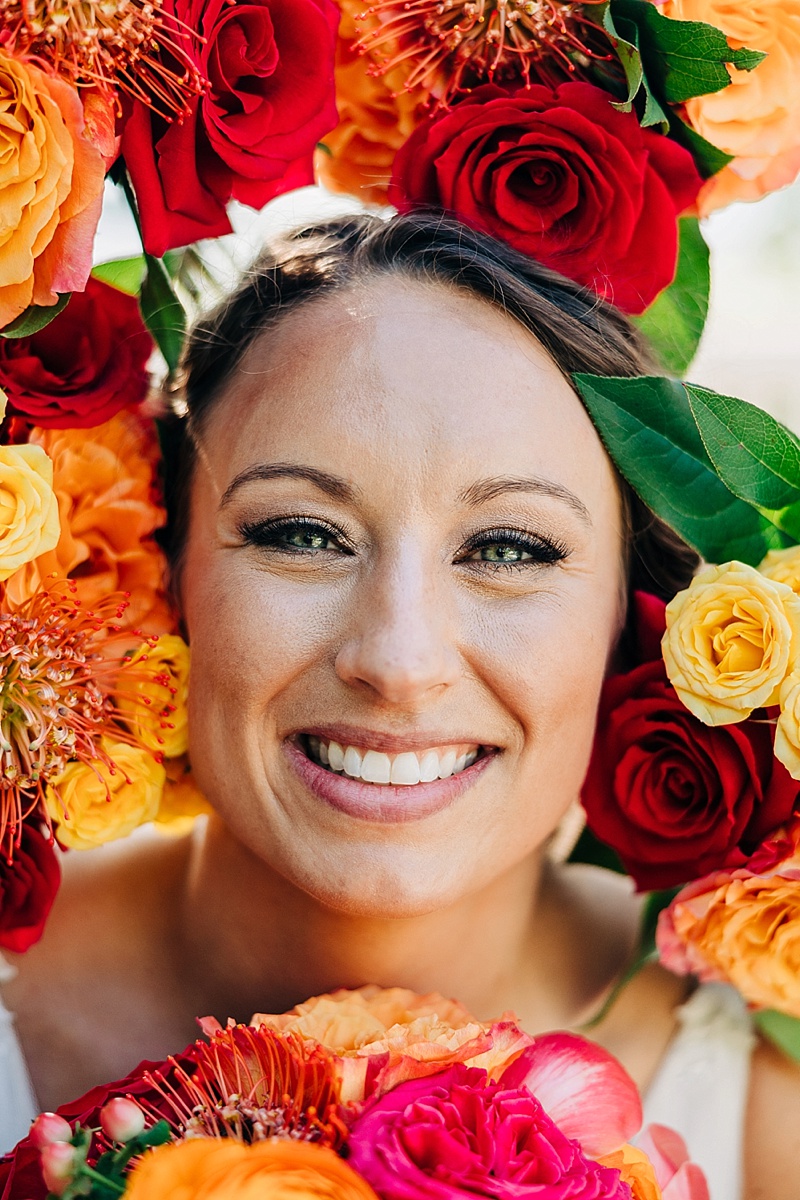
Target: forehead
(412, 375)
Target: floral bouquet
(358, 1095)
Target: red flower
(252, 136)
(674, 797)
(28, 886)
(84, 366)
(562, 176)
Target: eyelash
(543, 551)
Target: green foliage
(162, 311)
(673, 324)
(126, 274)
(783, 1031)
(589, 849)
(106, 1179)
(675, 444)
(35, 317)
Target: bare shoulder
(773, 1127)
(85, 997)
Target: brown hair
(580, 332)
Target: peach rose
(225, 1169)
(743, 927)
(154, 687)
(104, 479)
(757, 117)
(383, 1036)
(376, 115)
(51, 188)
(89, 806)
(732, 638)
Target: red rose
(28, 886)
(84, 366)
(562, 176)
(673, 797)
(252, 136)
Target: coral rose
(29, 521)
(84, 366)
(757, 117)
(104, 479)
(153, 700)
(743, 927)
(382, 1036)
(89, 806)
(51, 188)
(28, 886)
(731, 640)
(561, 175)
(253, 134)
(224, 1169)
(455, 1135)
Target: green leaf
(649, 430)
(708, 159)
(673, 324)
(589, 849)
(126, 274)
(625, 35)
(35, 317)
(783, 1031)
(162, 311)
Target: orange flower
(383, 1036)
(376, 115)
(229, 1170)
(757, 117)
(104, 482)
(636, 1170)
(154, 705)
(51, 189)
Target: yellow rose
(732, 638)
(182, 801)
(89, 806)
(29, 521)
(154, 684)
(757, 117)
(787, 730)
(784, 567)
(51, 188)
(225, 1169)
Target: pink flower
(455, 1134)
(678, 1178)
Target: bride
(403, 560)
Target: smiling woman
(403, 560)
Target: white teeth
(335, 756)
(429, 767)
(376, 767)
(323, 752)
(404, 770)
(352, 762)
(447, 764)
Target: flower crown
(590, 136)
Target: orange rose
(224, 1169)
(51, 189)
(382, 1036)
(104, 482)
(757, 117)
(376, 115)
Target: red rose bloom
(84, 366)
(252, 136)
(673, 797)
(562, 176)
(28, 886)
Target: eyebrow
(332, 485)
(489, 489)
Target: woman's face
(404, 552)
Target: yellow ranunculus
(89, 806)
(784, 567)
(155, 685)
(787, 730)
(732, 638)
(29, 521)
(225, 1169)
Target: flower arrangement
(357, 1096)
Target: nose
(401, 644)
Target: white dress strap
(701, 1086)
(17, 1101)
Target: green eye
(306, 539)
(503, 552)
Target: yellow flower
(182, 801)
(225, 1169)
(636, 1170)
(732, 638)
(784, 567)
(29, 521)
(90, 806)
(154, 685)
(787, 730)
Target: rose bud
(121, 1119)
(58, 1164)
(48, 1128)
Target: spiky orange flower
(132, 45)
(252, 1084)
(448, 45)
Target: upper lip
(389, 743)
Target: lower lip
(383, 803)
